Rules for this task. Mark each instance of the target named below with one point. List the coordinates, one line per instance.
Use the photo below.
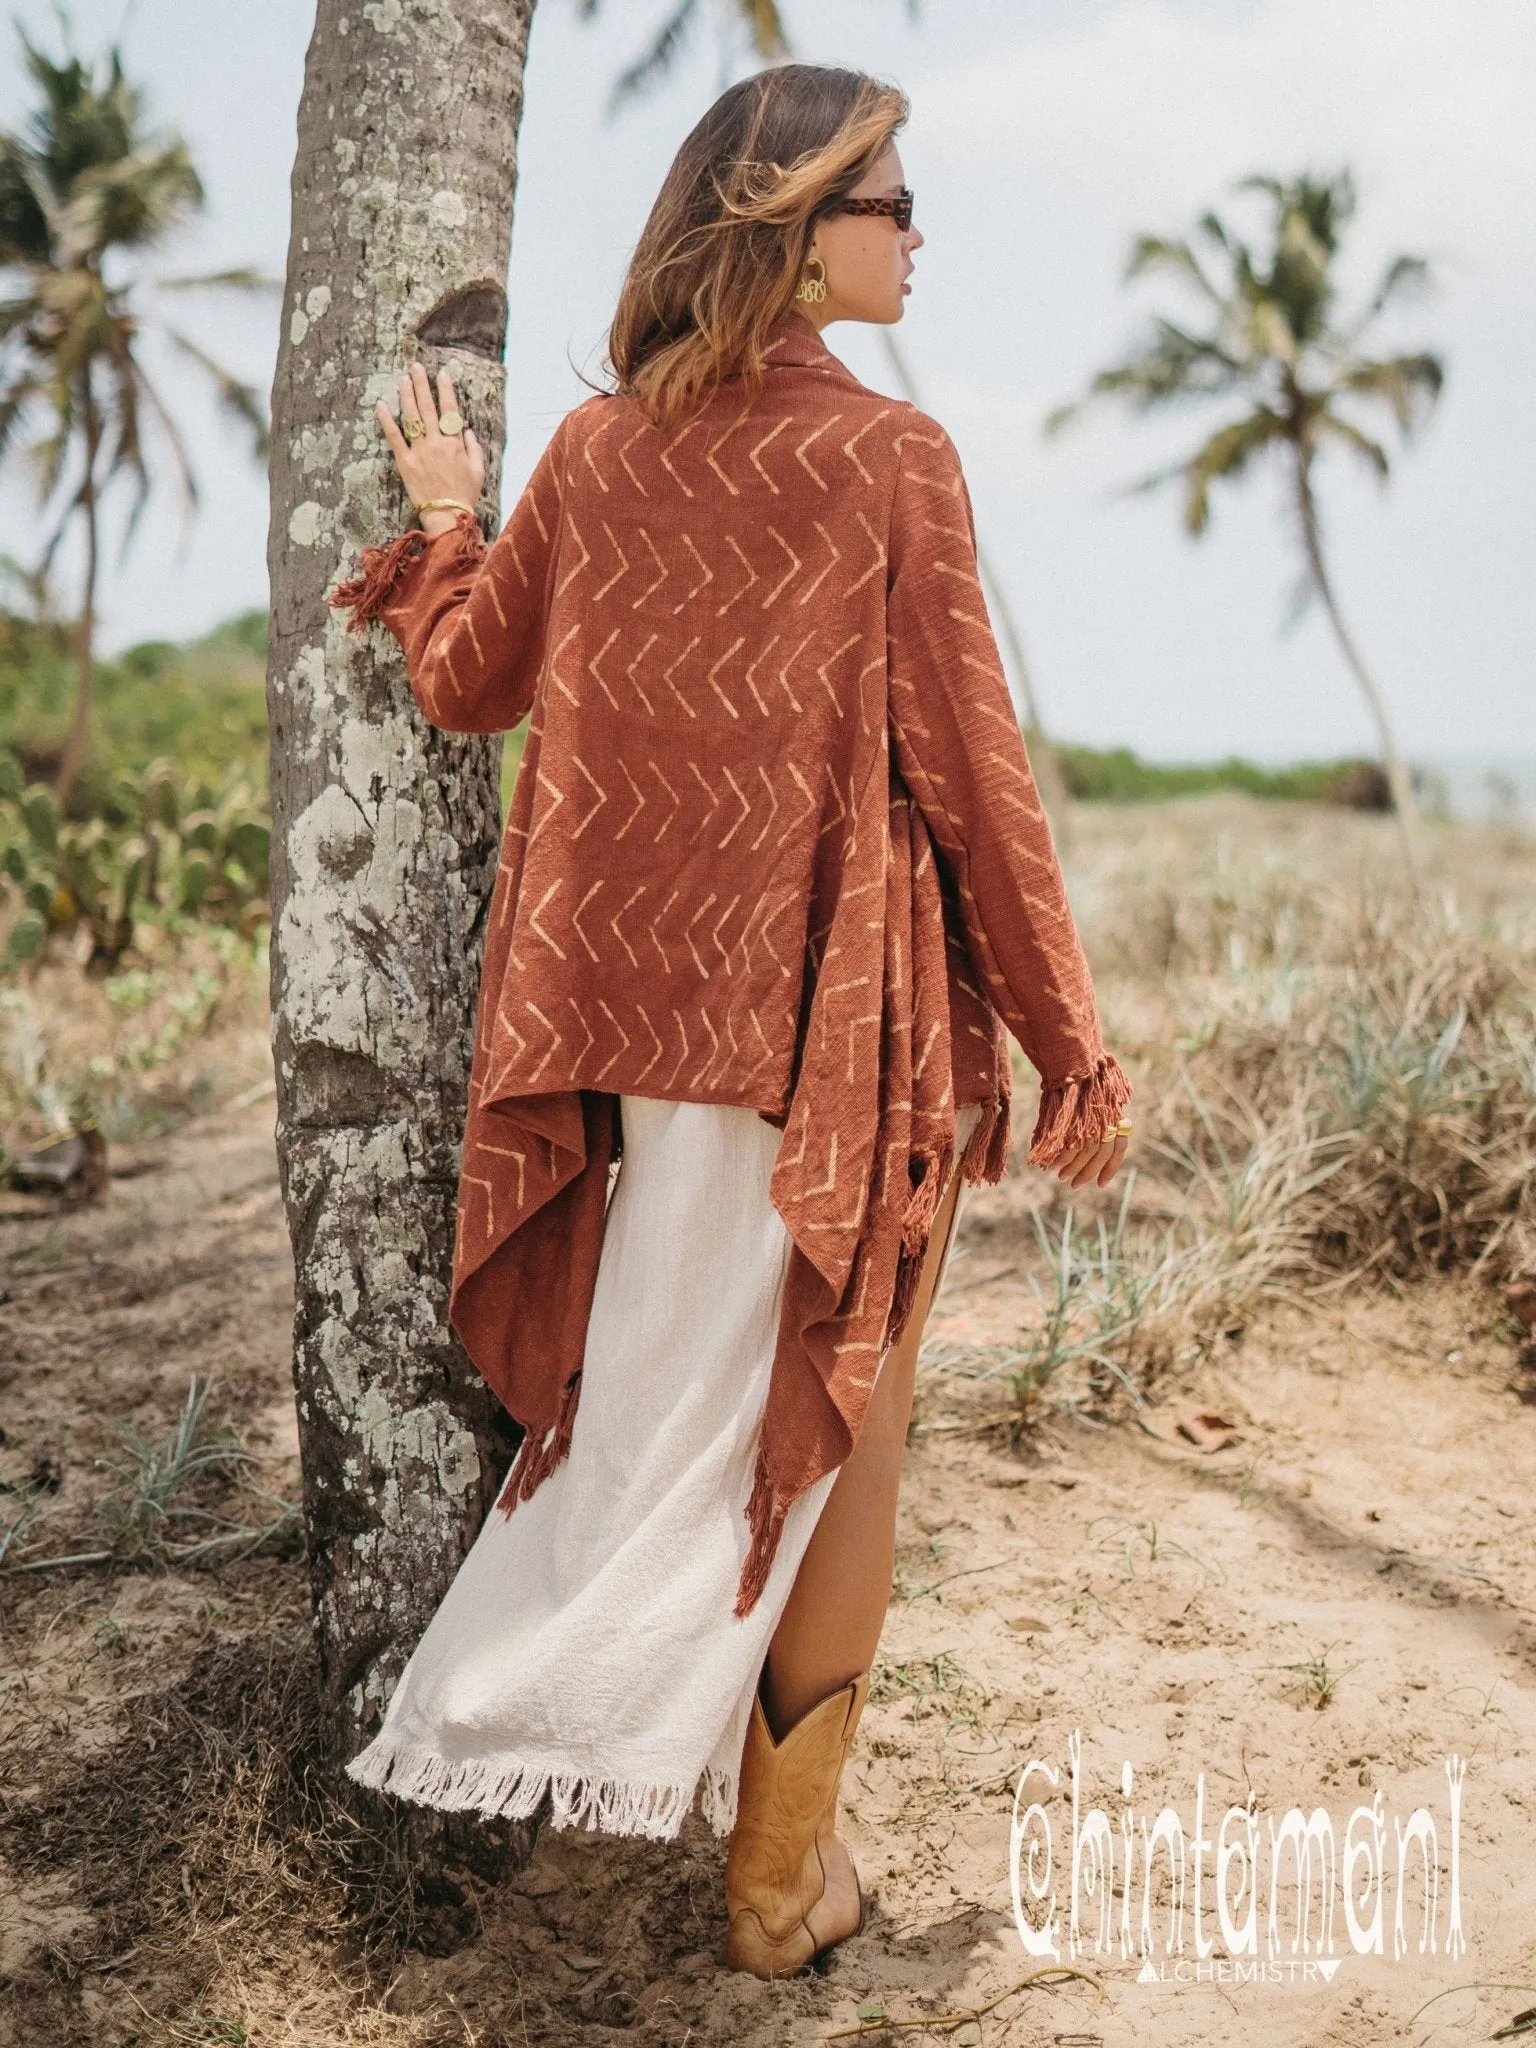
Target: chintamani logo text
(1246, 1898)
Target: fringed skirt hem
(506, 1787)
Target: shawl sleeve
(956, 739)
(470, 618)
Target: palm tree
(1270, 337)
(760, 21)
(84, 183)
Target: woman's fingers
(421, 386)
(1111, 1167)
(1093, 1162)
(392, 433)
(1097, 1161)
(432, 464)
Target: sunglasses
(897, 207)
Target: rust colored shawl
(774, 842)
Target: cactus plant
(171, 850)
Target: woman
(775, 881)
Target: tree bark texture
(386, 833)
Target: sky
(1044, 134)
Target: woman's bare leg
(831, 1622)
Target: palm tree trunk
(1399, 781)
(385, 833)
(1053, 784)
(85, 634)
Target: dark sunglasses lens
(903, 210)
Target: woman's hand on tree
(435, 464)
(1098, 1162)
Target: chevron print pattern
(774, 842)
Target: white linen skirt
(587, 1648)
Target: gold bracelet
(445, 505)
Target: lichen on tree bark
(385, 832)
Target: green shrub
(201, 704)
(1118, 775)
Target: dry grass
(1336, 1081)
(218, 1861)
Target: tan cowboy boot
(790, 1886)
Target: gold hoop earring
(813, 289)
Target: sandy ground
(1365, 1533)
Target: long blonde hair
(726, 241)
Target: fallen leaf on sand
(1027, 1625)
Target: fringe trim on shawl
(765, 1521)
(382, 569)
(536, 1459)
(507, 1786)
(985, 1157)
(916, 1229)
(1076, 1113)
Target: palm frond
(1329, 424)
(245, 279)
(1272, 330)
(765, 25)
(763, 20)
(1320, 206)
(1409, 384)
(654, 62)
(130, 204)
(16, 313)
(49, 452)
(1404, 277)
(1218, 234)
(1175, 365)
(25, 232)
(237, 399)
(79, 122)
(15, 401)
(1157, 252)
(162, 413)
(1062, 416)
(61, 526)
(1225, 456)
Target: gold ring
(451, 423)
(412, 428)
(1121, 1130)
